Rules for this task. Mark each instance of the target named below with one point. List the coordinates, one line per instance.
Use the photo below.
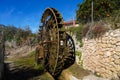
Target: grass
(80, 55)
(97, 74)
(39, 67)
(29, 62)
(78, 71)
(26, 61)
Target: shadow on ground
(21, 74)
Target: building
(71, 23)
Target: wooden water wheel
(56, 50)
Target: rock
(118, 48)
(116, 57)
(107, 54)
(102, 54)
(118, 44)
(93, 77)
(117, 62)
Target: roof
(71, 22)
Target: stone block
(112, 59)
(117, 62)
(116, 56)
(117, 44)
(107, 54)
(103, 54)
(113, 41)
(117, 48)
(109, 45)
(104, 45)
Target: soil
(14, 71)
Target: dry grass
(78, 71)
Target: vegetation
(28, 61)
(78, 71)
(79, 54)
(105, 12)
(85, 30)
(97, 74)
(77, 31)
(95, 31)
(102, 9)
(17, 34)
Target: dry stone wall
(102, 55)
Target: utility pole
(73, 21)
(92, 13)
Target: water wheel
(58, 50)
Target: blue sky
(21, 13)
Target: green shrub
(78, 54)
(77, 31)
(97, 74)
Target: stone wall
(102, 55)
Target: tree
(10, 31)
(102, 9)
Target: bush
(77, 31)
(98, 30)
(85, 30)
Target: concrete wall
(102, 55)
